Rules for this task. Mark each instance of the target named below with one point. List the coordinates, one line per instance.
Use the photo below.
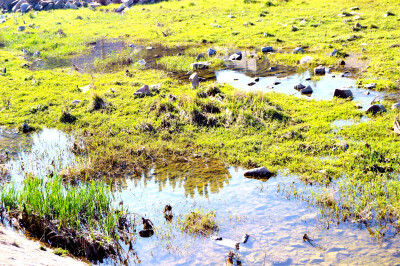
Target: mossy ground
(250, 129)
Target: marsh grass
(199, 222)
(66, 216)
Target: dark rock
(26, 128)
(343, 93)
(146, 233)
(307, 90)
(21, 28)
(261, 172)
(211, 52)
(299, 86)
(200, 65)
(244, 238)
(216, 238)
(277, 82)
(199, 57)
(147, 224)
(320, 70)
(376, 108)
(341, 63)
(267, 49)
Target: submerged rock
(343, 93)
(261, 172)
(376, 108)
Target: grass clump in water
(82, 220)
(199, 222)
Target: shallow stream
(275, 221)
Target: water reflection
(276, 225)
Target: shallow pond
(263, 209)
(239, 73)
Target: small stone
(258, 172)
(298, 50)
(75, 102)
(341, 63)
(396, 106)
(211, 52)
(277, 82)
(299, 86)
(36, 54)
(343, 93)
(26, 128)
(307, 90)
(377, 108)
(267, 49)
(200, 65)
(320, 70)
(358, 25)
(21, 28)
(143, 91)
(216, 238)
(199, 57)
(194, 79)
(334, 52)
(236, 56)
(370, 86)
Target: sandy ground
(18, 250)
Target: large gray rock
(59, 4)
(298, 50)
(376, 108)
(343, 93)
(127, 3)
(194, 79)
(261, 172)
(17, 6)
(72, 6)
(25, 7)
(143, 91)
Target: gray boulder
(17, 5)
(267, 49)
(37, 7)
(343, 93)
(194, 79)
(143, 91)
(49, 6)
(298, 50)
(261, 172)
(59, 4)
(72, 6)
(376, 108)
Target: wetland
(126, 136)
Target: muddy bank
(18, 250)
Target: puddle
(323, 88)
(275, 224)
(340, 124)
(49, 151)
(11, 142)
